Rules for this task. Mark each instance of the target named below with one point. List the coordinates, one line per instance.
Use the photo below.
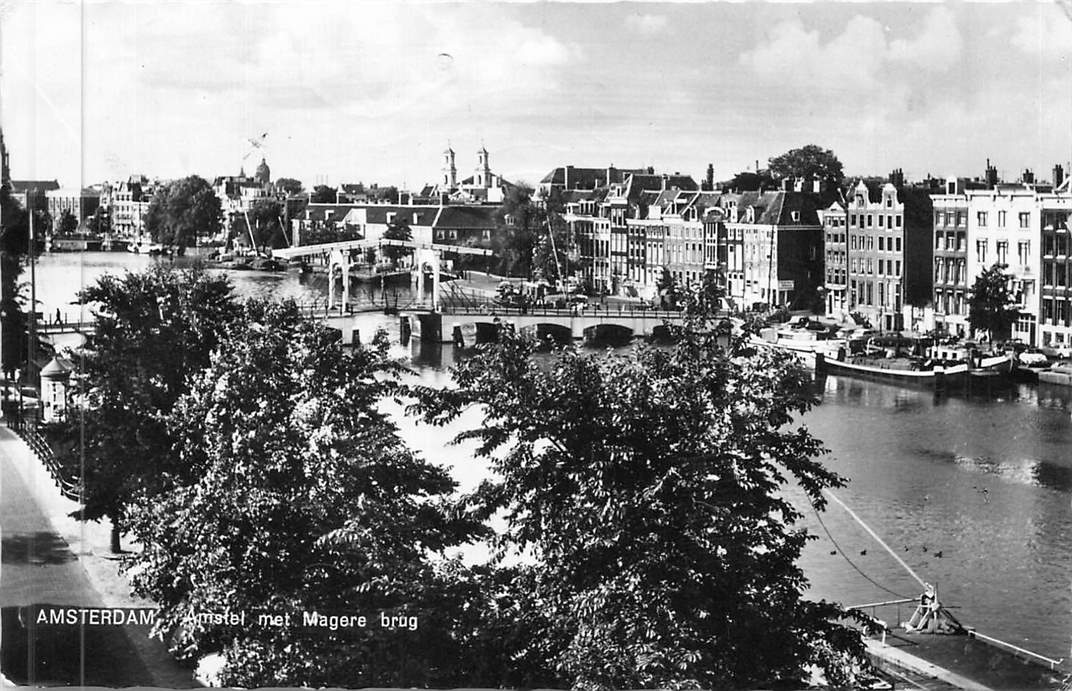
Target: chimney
(662, 186)
(610, 174)
(651, 170)
(991, 175)
(565, 177)
(1028, 176)
(897, 177)
(710, 177)
(788, 184)
(1058, 175)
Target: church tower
(450, 173)
(483, 169)
(264, 173)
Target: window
(980, 251)
(980, 219)
(898, 245)
(852, 219)
(1003, 251)
(871, 243)
(1024, 251)
(881, 221)
(852, 242)
(897, 265)
(1025, 219)
(881, 243)
(795, 215)
(882, 294)
(880, 267)
(897, 219)
(1001, 219)
(889, 267)
(870, 220)
(961, 219)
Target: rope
(846, 557)
(873, 534)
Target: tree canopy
(992, 306)
(296, 495)
(289, 185)
(154, 329)
(66, 224)
(397, 229)
(183, 210)
(100, 223)
(322, 194)
(266, 216)
(809, 161)
(647, 488)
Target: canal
(973, 492)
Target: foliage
(66, 224)
(992, 307)
(266, 217)
(521, 245)
(398, 229)
(670, 292)
(322, 194)
(332, 233)
(295, 494)
(648, 489)
(289, 185)
(183, 210)
(14, 295)
(100, 223)
(154, 329)
(387, 194)
(747, 181)
(809, 161)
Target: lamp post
(31, 353)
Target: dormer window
(795, 215)
(751, 214)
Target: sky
(374, 92)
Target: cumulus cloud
(645, 24)
(858, 54)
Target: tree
(747, 181)
(388, 195)
(183, 210)
(647, 488)
(14, 244)
(322, 194)
(810, 161)
(289, 185)
(398, 229)
(266, 216)
(66, 224)
(153, 330)
(100, 223)
(668, 289)
(297, 495)
(992, 307)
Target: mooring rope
(846, 558)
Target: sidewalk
(48, 557)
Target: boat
(805, 338)
(903, 370)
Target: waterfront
(985, 481)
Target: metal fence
(27, 431)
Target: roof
(775, 207)
(588, 178)
(58, 368)
(468, 217)
(21, 186)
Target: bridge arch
(555, 334)
(608, 334)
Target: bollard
(458, 338)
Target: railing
(1016, 649)
(624, 311)
(26, 430)
(873, 606)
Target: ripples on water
(984, 480)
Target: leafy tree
(992, 307)
(66, 224)
(398, 229)
(266, 216)
(289, 185)
(810, 161)
(154, 329)
(388, 195)
(295, 495)
(647, 488)
(14, 244)
(668, 289)
(747, 181)
(182, 210)
(100, 223)
(322, 194)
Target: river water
(974, 493)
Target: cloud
(645, 24)
(1047, 34)
(858, 56)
